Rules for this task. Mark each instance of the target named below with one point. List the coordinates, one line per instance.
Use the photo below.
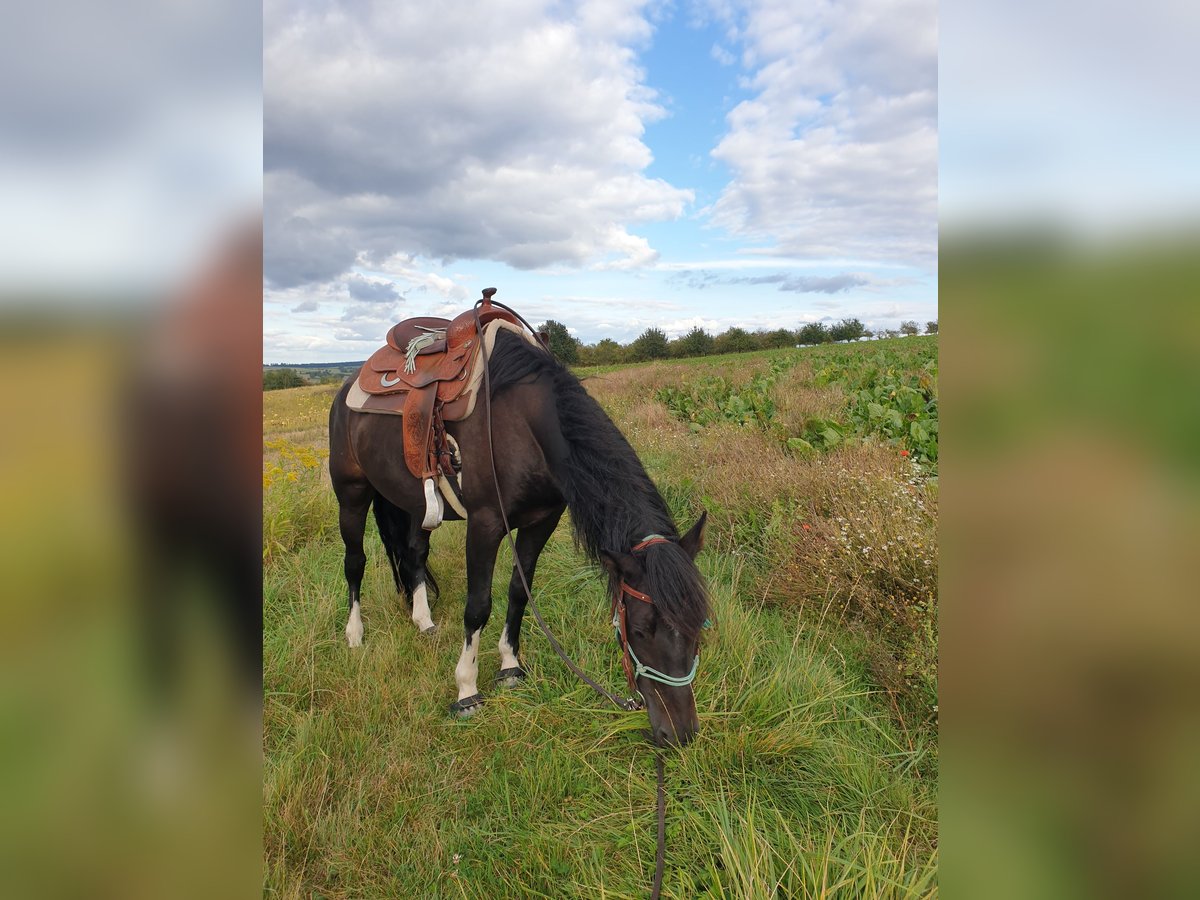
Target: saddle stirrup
(434, 508)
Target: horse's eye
(644, 629)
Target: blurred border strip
(130, 379)
(1070, 471)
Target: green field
(815, 772)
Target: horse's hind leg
(531, 539)
(421, 579)
(354, 500)
(407, 546)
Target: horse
(554, 448)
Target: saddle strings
(631, 703)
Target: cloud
(297, 252)
(364, 322)
(796, 284)
(722, 56)
(835, 154)
(369, 291)
(511, 134)
(306, 306)
(401, 266)
(809, 284)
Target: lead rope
(627, 705)
(661, 854)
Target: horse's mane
(613, 502)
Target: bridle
(634, 667)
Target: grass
(810, 778)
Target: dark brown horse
(554, 447)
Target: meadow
(815, 772)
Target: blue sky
(613, 164)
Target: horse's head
(660, 605)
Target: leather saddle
(424, 373)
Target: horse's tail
(394, 526)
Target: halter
(633, 666)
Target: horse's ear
(620, 565)
(693, 541)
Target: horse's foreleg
(352, 521)
(530, 541)
(483, 539)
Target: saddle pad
(454, 411)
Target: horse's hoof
(430, 630)
(510, 678)
(466, 707)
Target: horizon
(871, 335)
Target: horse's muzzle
(674, 730)
(668, 737)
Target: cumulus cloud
(306, 306)
(836, 152)
(401, 266)
(512, 134)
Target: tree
(814, 333)
(564, 347)
(696, 342)
(931, 327)
(771, 340)
(650, 344)
(605, 353)
(276, 379)
(909, 327)
(847, 330)
(735, 340)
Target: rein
(632, 703)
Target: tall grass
(802, 783)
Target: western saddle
(428, 373)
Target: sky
(612, 164)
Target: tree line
(654, 344)
(277, 378)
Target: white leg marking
(354, 627)
(466, 673)
(508, 659)
(420, 604)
